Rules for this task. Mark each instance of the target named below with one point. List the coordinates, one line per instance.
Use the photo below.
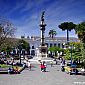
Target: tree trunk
(67, 37)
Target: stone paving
(53, 76)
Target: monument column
(42, 28)
(43, 47)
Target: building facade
(34, 42)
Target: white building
(34, 41)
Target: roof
(55, 38)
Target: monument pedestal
(43, 51)
(41, 55)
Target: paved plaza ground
(53, 76)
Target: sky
(25, 15)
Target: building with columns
(57, 41)
(34, 41)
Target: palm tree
(80, 30)
(52, 33)
(67, 26)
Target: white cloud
(56, 13)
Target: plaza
(42, 42)
(53, 76)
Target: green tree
(55, 50)
(80, 31)
(24, 45)
(75, 49)
(76, 52)
(67, 26)
(67, 54)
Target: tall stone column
(42, 28)
(43, 47)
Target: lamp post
(71, 53)
(71, 48)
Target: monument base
(43, 50)
(41, 55)
(37, 60)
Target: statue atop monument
(42, 17)
(42, 24)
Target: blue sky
(25, 14)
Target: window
(62, 45)
(54, 44)
(59, 45)
(50, 44)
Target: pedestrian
(51, 63)
(16, 70)
(12, 70)
(62, 67)
(41, 66)
(9, 70)
(82, 71)
(44, 66)
(56, 61)
(64, 61)
(29, 65)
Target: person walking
(51, 63)
(56, 62)
(42, 67)
(29, 65)
(62, 66)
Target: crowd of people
(12, 70)
(43, 65)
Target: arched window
(50, 44)
(59, 45)
(55, 44)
